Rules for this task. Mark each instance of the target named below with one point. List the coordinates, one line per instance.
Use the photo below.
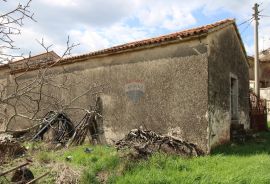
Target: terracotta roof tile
(195, 32)
(37, 56)
(169, 37)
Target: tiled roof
(157, 40)
(36, 61)
(4, 66)
(33, 60)
(45, 54)
(182, 35)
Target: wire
(250, 21)
(264, 15)
(262, 11)
(245, 21)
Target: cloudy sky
(97, 24)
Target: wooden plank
(14, 168)
(38, 178)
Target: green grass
(248, 163)
(212, 169)
(102, 158)
(45, 157)
(243, 164)
(257, 146)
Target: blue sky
(99, 24)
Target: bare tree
(34, 88)
(29, 97)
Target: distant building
(264, 68)
(35, 61)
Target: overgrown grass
(231, 163)
(211, 169)
(101, 158)
(243, 164)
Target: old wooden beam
(14, 168)
(38, 178)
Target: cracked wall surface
(163, 89)
(226, 58)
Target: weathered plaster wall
(172, 81)
(226, 58)
(4, 73)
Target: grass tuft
(45, 157)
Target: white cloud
(92, 40)
(28, 43)
(120, 33)
(89, 39)
(168, 15)
(64, 3)
(170, 18)
(98, 24)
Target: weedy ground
(231, 163)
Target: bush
(44, 157)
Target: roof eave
(86, 57)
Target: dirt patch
(66, 174)
(103, 176)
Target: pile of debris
(147, 142)
(9, 148)
(87, 127)
(55, 128)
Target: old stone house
(191, 84)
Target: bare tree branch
(27, 96)
(10, 25)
